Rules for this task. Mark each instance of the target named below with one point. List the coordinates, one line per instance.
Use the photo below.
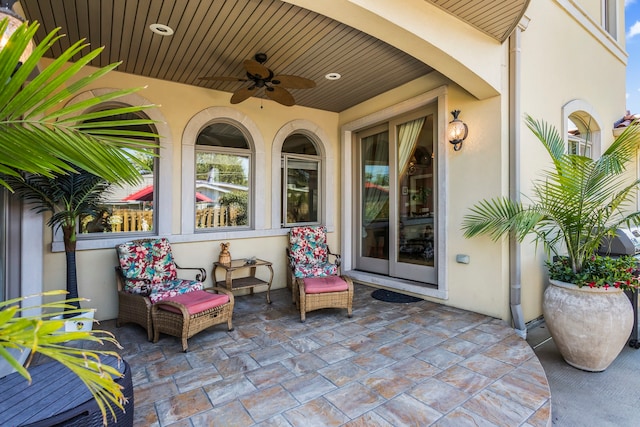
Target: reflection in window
(223, 164)
(301, 181)
(579, 140)
(127, 208)
(610, 17)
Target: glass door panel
(396, 185)
(414, 243)
(373, 253)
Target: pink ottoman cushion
(318, 285)
(196, 301)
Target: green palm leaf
(39, 137)
(42, 334)
(574, 205)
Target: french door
(397, 185)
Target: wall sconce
(457, 131)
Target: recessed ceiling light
(161, 29)
(332, 76)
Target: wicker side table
(249, 281)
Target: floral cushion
(309, 253)
(308, 245)
(149, 269)
(315, 270)
(172, 288)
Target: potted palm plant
(38, 138)
(578, 203)
(67, 197)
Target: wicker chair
(316, 281)
(308, 255)
(146, 274)
(185, 315)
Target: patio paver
(390, 364)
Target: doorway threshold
(402, 285)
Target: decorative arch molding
(247, 126)
(585, 114)
(446, 41)
(319, 136)
(165, 166)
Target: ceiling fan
(275, 86)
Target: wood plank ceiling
(496, 18)
(213, 38)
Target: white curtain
(407, 140)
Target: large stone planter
(590, 326)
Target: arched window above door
(581, 129)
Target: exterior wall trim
(348, 220)
(164, 179)
(594, 28)
(188, 173)
(328, 170)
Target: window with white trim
(300, 177)
(578, 141)
(610, 17)
(581, 129)
(223, 164)
(127, 208)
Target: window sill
(111, 242)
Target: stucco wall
(561, 62)
(179, 103)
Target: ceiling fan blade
(256, 69)
(224, 78)
(293, 82)
(280, 95)
(242, 94)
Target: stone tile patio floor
(415, 364)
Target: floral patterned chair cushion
(149, 269)
(309, 253)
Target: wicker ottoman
(324, 292)
(185, 315)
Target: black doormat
(390, 296)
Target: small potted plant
(66, 197)
(579, 203)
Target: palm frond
(548, 135)
(42, 138)
(42, 334)
(574, 205)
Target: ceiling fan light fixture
(163, 30)
(262, 78)
(332, 76)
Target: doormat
(390, 296)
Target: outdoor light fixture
(457, 131)
(15, 21)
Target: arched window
(223, 164)
(300, 177)
(578, 138)
(128, 208)
(582, 129)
